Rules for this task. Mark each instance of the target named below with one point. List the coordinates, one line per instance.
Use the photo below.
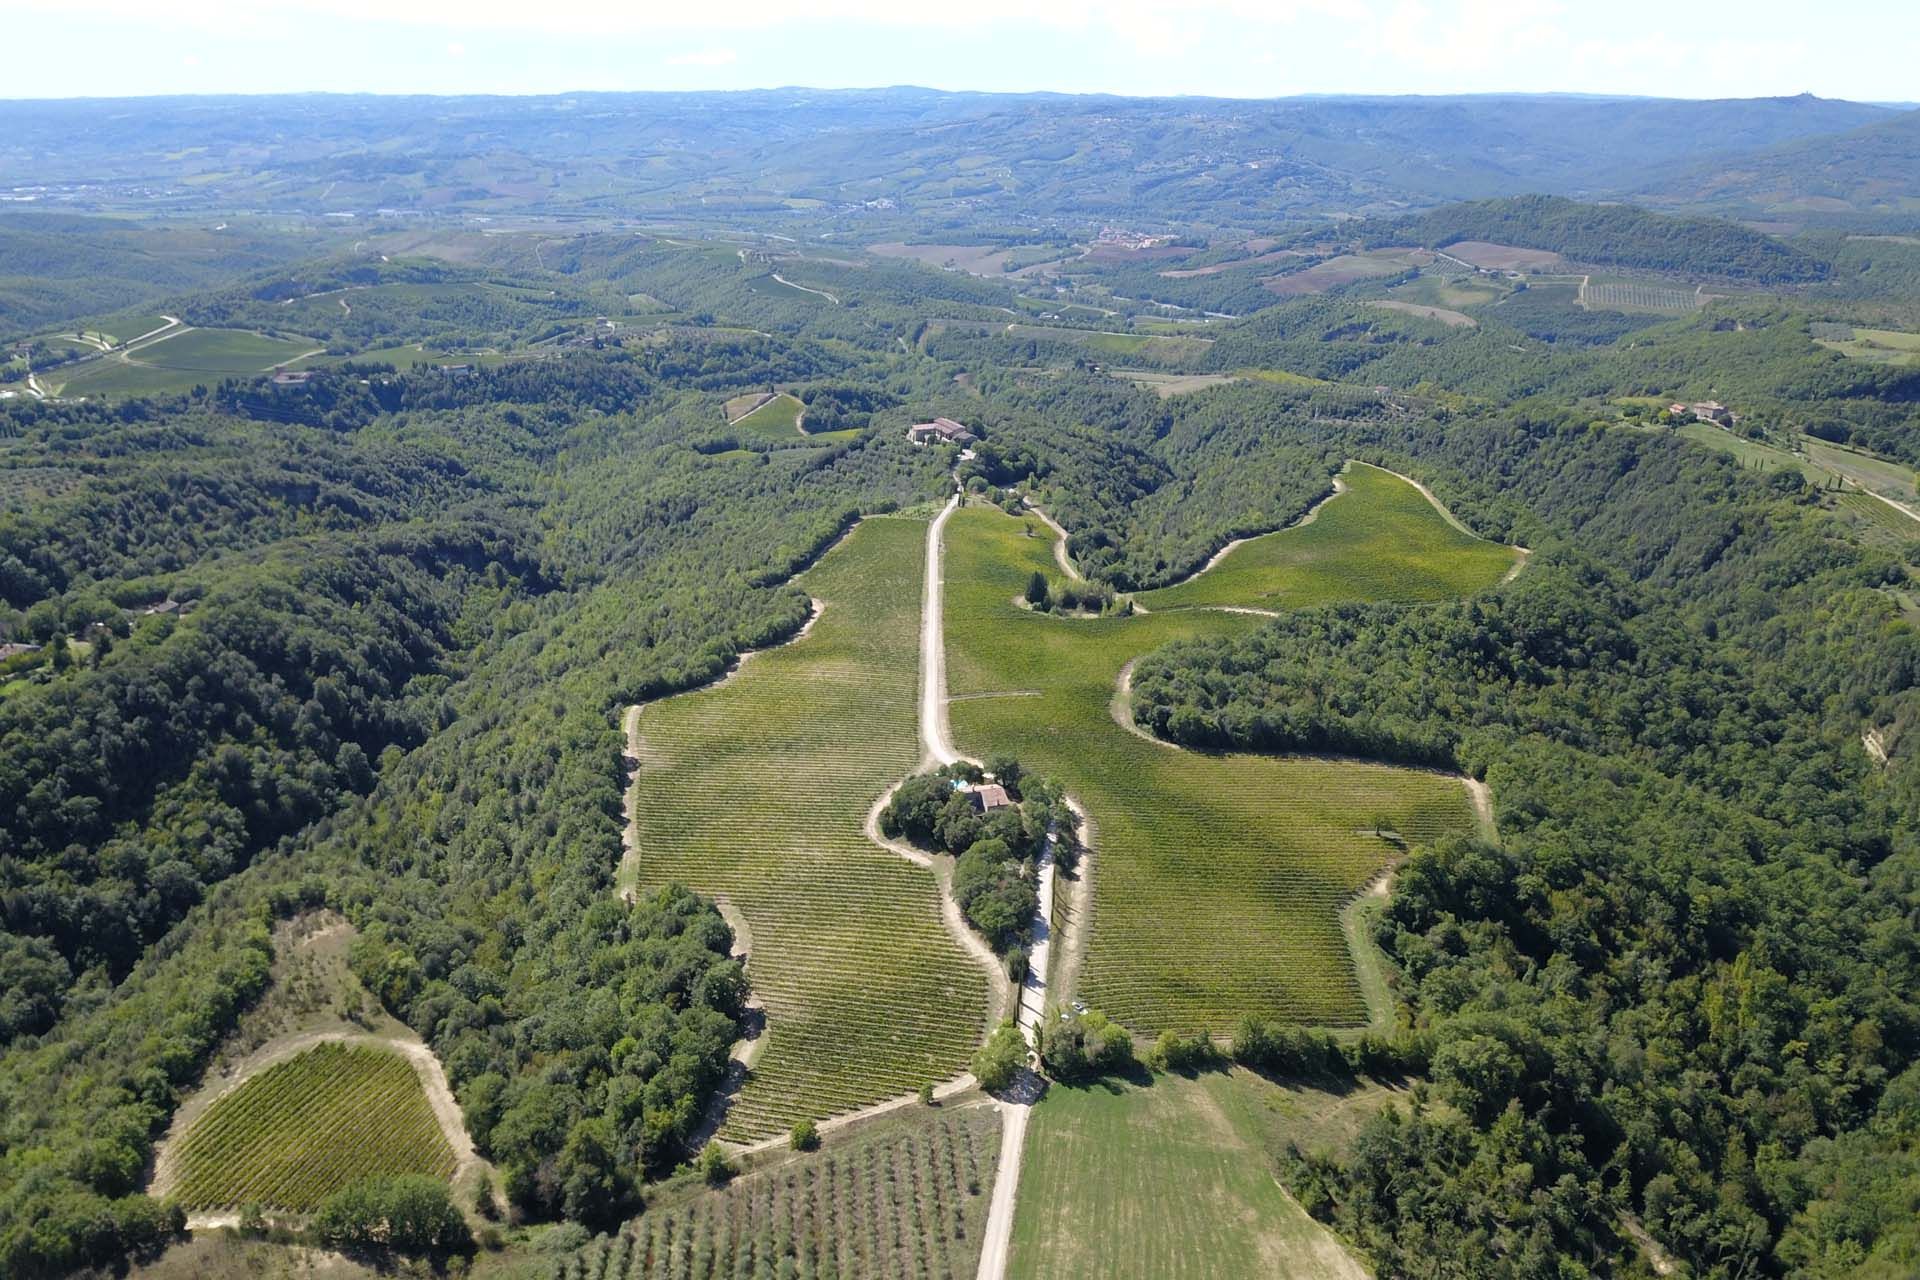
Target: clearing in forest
(191, 357)
(757, 790)
(1174, 1180)
(1503, 257)
(304, 1128)
(1381, 540)
(905, 1196)
(1445, 315)
(775, 420)
(1217, 880)
(1345, 268)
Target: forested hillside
(1684, 979)
(1607, 235)
(446, 637)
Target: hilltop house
(1705, 411)
(989, 796)
(945, 430)
(293, 377)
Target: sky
(1229, 48)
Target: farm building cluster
(1705, 411)
(944, 430)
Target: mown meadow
(1171, 1180)
(756, 791)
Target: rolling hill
(1869, 170)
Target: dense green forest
(398, 674)
(1684, 981)
(1606, 235)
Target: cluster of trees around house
(1684, 984)
(996, 851)
(1043, 595)
(405, 711)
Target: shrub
(805, 1136)
(1077, 1046)
(714, 1166)
(407, 1213)
(1174, 1052)
(1000, 1059)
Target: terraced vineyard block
(757, 790)
(1218, 879)
(304, 1128)
(1381, 540)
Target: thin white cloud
(626, 17)
(704, 58)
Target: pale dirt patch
(1503, 257)
(1445, 315)
(1167, 385)
(1218, 267)
(1657, 1257)
(740, 406)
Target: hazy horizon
(1213, 48)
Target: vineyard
(304, 1128)
(1878, 515)
(757, 790)
(1219, 878)
(1381, 540)
(1641, 297)
(776, 420)
(910, 1201)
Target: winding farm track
(804, 289)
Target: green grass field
(1168, 1182)
(905, 1196)
(758, 789)
(1752, 453)
(1381, 540)
(1120, 346)
(196, 357)
(304, 1128)
(775, 421)
(1218, 879)
(1456, 292)
(1882, 346)
(1864, 469)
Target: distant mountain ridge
(1871, 169)
(913, 155)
